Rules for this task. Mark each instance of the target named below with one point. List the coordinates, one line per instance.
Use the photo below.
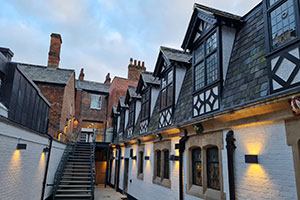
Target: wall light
(21, 146)
(159, 136)
(251, 159)
(147, 157)
(122, 157)
(177, 146)
(174, 158)
(133, 157)
(46, 150)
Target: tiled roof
(92, 86)
(247, 77)
(176, 55)
(132, 92)
(122, 102)
(47, 75)
(148, 78)
(114, 109)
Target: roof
(47, 75)
(148, 78)
(114, 110)
(92, 86)
(176, 55)
(131, 93)
(121, 103)
(217, 12)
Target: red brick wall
(117, 89)
(54, 94)
(134, 72)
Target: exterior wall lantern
(46, 150)
(21, 146)
(75, 123)
(147, 157)
(159, 136)
(251, 159)
(198, 128)
(174, 158)
(131, 155)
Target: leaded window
(206, 62)
(213, 168)
(141, 160)
(282, 22)
(131, 114)
(145, 111)
(158, 163)
(122, 120)
(166, 164)
(167, 90)
(197, 166)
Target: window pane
(199, 53)
(163, 98)
(170, 77)
(196, 166)
(271, 2)
(147, 109)
(213, 176)
(199, 76)
(212, 69)
(95, 101)
(211, 43)
(283, 26)
(158, 162)
(163, 82)
(166, 164)
(170, 95)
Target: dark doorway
(125, 184)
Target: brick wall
(54, 94)
(22, 171)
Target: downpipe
(230, 146)
(181, 151)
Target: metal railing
(60, 169)
(92, 168)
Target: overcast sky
(100, 35)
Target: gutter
(47, 164)
(181, 151)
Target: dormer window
(281, 21)
(131, 114)
(167, 90)
(206, 63)
(122, 120)
(145, 112)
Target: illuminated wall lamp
(46, 150)
(122, 157)
(147, 157)
(251, 159)
(174, 158)
(21, 146)
(133, 157)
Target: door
(126, 175)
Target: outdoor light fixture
(133, 157)
(159, 136)
(147, 157)
(174, 158)
(122, 157)
(75, 123)
(138, 141)
(177, 146)
(251, 159)
(21, 146)
(198, 128)
(46, 150)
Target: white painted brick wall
(274, 176)
(22, 171)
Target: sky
(100, 35)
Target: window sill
(195, 190)
(213, 194)
(95, 108)
(140, 176)
(162, 182)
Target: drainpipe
(230, 152)
(47, 164)
(118, 169)
(181, 151)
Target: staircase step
(86, 170)
(73, 190)
(75, 181)
(77, 166)
(75, 159)
(73, 195)
(74, 186)
(77, 173)
(78, 163)
(75, 177)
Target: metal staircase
(75, 177)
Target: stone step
(77, 166)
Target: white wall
(138, 106)
(22, 171)
(273, 177)
(154, 95)
(228, 36)
(180, 73)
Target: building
(222, 123)
(58, 86)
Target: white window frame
(94, 99)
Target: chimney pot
(130, 61)
(143, 64)
(134, 62)
(107, 79)
(139, 63)
(81, 75)
(54, 51)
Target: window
(146, 104)
(167, 90)
(196, 166)
(206, 63)
(131, 114)
(141, 162)
(166, 164)
(158, 163)
(96, 101)
(281, 21)
(122, 120)
(213, 176)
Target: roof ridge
(173, 49)
(210, 9)
(41, 66)
(92, 82)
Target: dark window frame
(141, 162)
(146, 102)
(131, 114)
(166, 164)
(194, 150)
(198, 43)
(166, 87)
(158, 163)
(122, 120)
(208, 163)
(268, 31)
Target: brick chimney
(107, 79)
(81, 75)
(135, 69)
(54, 51)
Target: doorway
(126, 176)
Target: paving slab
(108, 193)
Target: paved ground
(107, 193)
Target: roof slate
(92, 86)
(176, 55)
(47, 75)
(148, 78)
(247, 77)
(132, 92)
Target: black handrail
(92, 168)
(61, 167)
